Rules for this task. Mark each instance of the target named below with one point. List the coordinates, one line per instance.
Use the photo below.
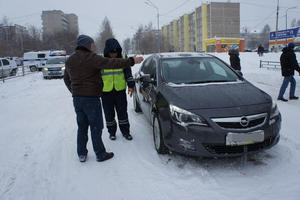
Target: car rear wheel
(157, 137)
(13, 72)
(136, 105)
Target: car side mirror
(146, 80)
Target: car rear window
(196, 70)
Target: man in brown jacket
(83, 79)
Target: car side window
(41, 55)
(0, 63)
(5, 62)
(146, 66)
(152, 70)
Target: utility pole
(276, 33)
(150, 3)
(286, 26)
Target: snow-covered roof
(182, 54)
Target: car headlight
(63, 68)
(184, 117)
(46, 69)
(274, 110)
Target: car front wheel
(33, 68)
(157, 137)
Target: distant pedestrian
(114, 99)
(83, 79)
(234, 58)
(288, 64)
(260, 50)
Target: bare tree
(298, 22)
(294, 23)
(104, 33)
(145, 39)
(127, 45)
(265, 34)
(5, 21)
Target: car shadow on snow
(263, 158)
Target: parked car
(54, 67)
(198, 105)
(8, 67)
(297, 49)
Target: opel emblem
(244, 122)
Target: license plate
(237, 139)
(54, 73)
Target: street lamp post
(150, 3)
(286, 26)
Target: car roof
(182, 54)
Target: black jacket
(288, 62)
(113, 45)
(234, 59)
(260, 49)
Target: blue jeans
(89, 113)
(285, 83)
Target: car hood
(220, 95)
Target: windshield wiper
(209, 81)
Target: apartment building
(195, 31)
(12, 32)
(55, 21)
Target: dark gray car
(200, 106)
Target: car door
(144, 86)
(5, 68)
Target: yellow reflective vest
(113, 79)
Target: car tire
(13, 72)
(33, 68)
(158, 139)
(136, 105)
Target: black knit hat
(84, 41)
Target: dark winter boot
(112, 136)
(108, 156)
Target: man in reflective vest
(114, 92)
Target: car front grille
(241, 123)
(54, 69)
(223, 149)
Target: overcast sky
(126, 15)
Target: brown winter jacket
(82, 75)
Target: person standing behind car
(114, 92)
(234, 58)
(83, 79)
(260, 50)
(288, 64)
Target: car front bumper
(58, 73)
(210, 141)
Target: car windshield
(196, 70)
(61, 60)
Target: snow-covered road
(38, 152)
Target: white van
(35, 60)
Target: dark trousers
(115, 100)
(89, 113)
